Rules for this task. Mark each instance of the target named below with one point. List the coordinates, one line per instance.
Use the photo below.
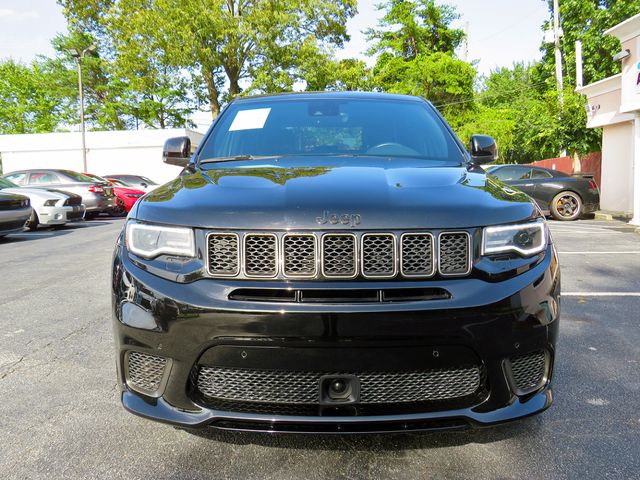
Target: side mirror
(177, 151)
(483, 149)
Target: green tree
(415, 45)
(587, 20)
(228, 43)
(27, 104)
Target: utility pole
(465, 43)
(79, 56)
(557, 33)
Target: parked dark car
(97, 197)
(559, 194)
(15, 211)
(334, 262)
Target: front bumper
(189, 323)
(60, 215)
(13, 221)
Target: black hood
(323, 192)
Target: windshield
(4, 183)
(78, 176)
(332, 126)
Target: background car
(15, 210)
(135, 181)
(564, 196)
(126, 196)
(96, 196)
(49, 207)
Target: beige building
(614, 106)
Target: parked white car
(50, 207)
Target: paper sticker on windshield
(250, 119)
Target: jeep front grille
(340, 255)
(302, 387)
(299, 255)
(455, 257)
(223, 254)
(260, 255)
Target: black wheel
(90, 215)
(566, 206)
(32, 223)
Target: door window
(537, 173)
(511, 173)
(43, 178)
(19, 178)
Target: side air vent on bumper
(146, 373)
(528, 372)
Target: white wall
(116, 152)
(616, 191)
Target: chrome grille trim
(462, 267)
(227, 252)
(406, 256)
(371, 265)
(291, 262)
(344, 258)
(260, 260)
(302, 387)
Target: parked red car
(126, 196)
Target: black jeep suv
(334, 262)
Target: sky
(501, 32)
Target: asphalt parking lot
(60, 415)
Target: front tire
(32, 223)
(566, 206)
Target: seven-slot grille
(338, 255)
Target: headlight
(50, 203)
(526, 239)
(133, 195)
(149, 241)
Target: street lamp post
(79, 56)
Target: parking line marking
(600, 252)
(600, 294)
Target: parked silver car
(135, 181)
(50, 207)
(96, 196)
(15, 210)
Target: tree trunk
(212, 92)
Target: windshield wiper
(237, 157)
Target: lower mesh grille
(144, 371)
(300, 387)
(528, 371)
